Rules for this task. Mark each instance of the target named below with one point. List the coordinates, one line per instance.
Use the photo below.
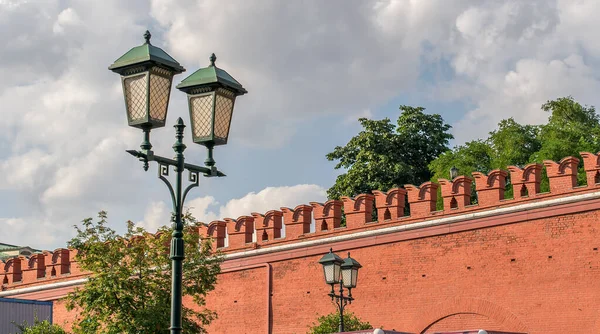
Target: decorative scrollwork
(163, 170)
(194, 178)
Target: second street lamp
(344, 273)
(146, 75)
(211, 96)
(453, 173)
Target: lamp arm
(150, 156)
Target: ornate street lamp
(147, 75)
(344, 273)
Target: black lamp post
(147, 75)
(344, 273)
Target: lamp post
(343, 272)
(147, 75)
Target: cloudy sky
(311, 68)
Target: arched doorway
(462, 321)
(462, 313)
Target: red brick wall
(537, 276)
(540, 276)
(61, 316)
(243, 295)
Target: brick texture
(542, 276)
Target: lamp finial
(147, 36)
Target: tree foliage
(39, 327)
(384, 155)
(330, 324)
(571, 128)
(510, 144)
(129, 290)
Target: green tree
(473, 156)
(384, 155)
(513, 144)
(510, 144)
(40, 327)
(327, 324)
(128, 290)
(571, 128)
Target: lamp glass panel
(223, 112)
(201, 115)
(336, 272)
(135, 88)
(354, 277)
(347, 277)
(160, 89)
(328, 271)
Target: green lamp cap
(209, 76)
(146, 53)
(330, 257)
(351, 263)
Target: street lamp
(147, 75)
(453, 173)
(344, 273)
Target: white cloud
(510, 57)
(297, 60)
(66, 18)
(34, 233)
(206, 209)
(523, 90)
(25, 171)
(157, 215)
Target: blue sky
(312, 68)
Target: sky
(312, 68)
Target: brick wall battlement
(326, 218)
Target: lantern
(211, 96)
(146, 75)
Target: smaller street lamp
(344, 273)
(350, 273)
(332, 264)
(453, 173)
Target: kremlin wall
(527, 264)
